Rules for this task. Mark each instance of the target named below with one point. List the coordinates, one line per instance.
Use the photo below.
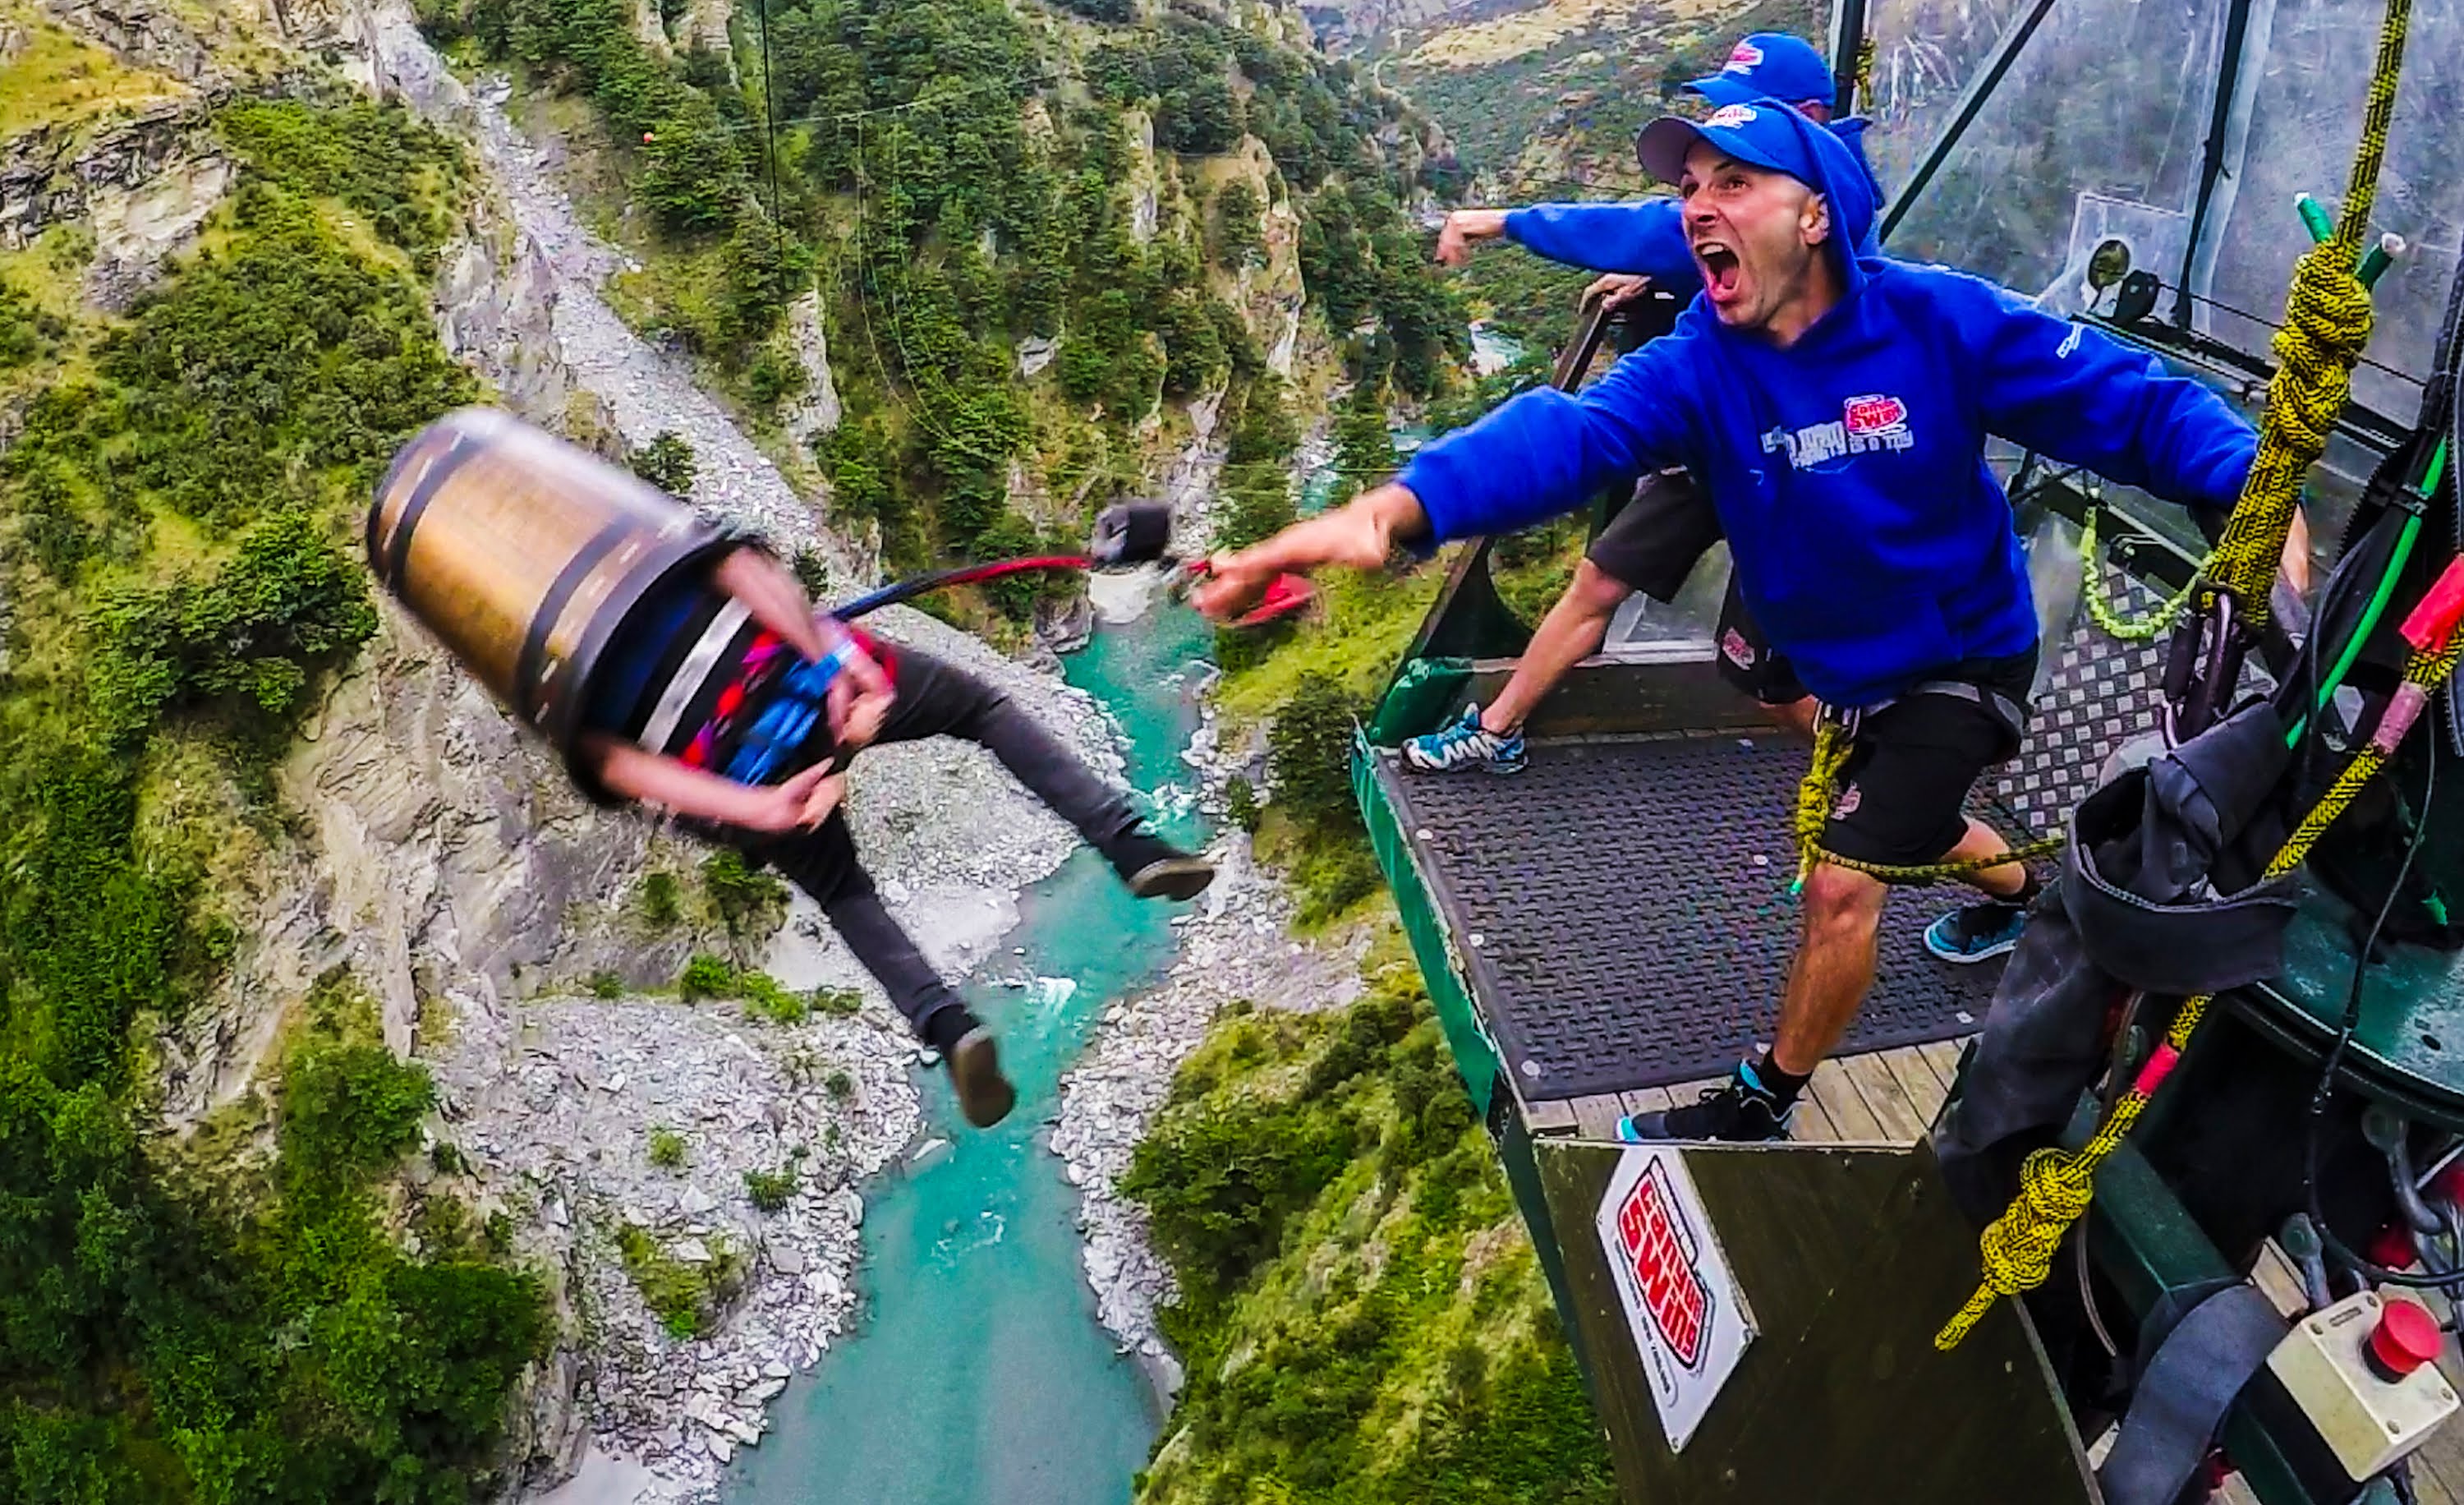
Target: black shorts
(1654, 543)
(1904, 792)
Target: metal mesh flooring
(1621, 907)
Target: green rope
(2111, 622)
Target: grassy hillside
(1361, 1314)
(239, 1319)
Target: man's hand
(800, 803)
(1616, 288)
(1360, 534)
(1466, 227)
(860, 699)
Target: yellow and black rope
(2326, 322)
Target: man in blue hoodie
(1838, 409)
(1654, 541)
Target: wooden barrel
(523, 554)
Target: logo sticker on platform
(1689, 1321)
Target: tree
(1201, 117)
(666, 462)
(1240, 241)
(1309, 751)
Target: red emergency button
(2406, 1339)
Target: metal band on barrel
(691, 674)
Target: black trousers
(938, 699)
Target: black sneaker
(1740, 1110)
(1155, 869)
(985, 1096)
(1179, 876)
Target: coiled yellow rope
(2055, 1185)
(2326, 322)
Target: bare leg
(1572, 631)
(1833, 968)
(1983, 841)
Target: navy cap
(1771, 135)
(1771, 65)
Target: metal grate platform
(1622, 910)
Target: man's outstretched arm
(1540, 456)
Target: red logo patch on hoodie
(1874, 416)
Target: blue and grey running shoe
(1464, 744)
(1976, 932)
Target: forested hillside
(259, 1312)
(1054, 247)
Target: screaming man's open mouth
(1719, 268)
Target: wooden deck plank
(2436, 1466)
(1901, 1123)
(1850, 1118)
(1596, 1118)
(1549, 1118)
(1925, 1090)
(1943, 1055)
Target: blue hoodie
(1644, 235)
(1871, 543)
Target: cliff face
(440, 858)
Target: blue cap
(1771, 65)
(1771, 135)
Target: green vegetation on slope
(177, 512)
(1361, 1317)
(960, 176)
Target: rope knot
(2326, 325)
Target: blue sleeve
(1547, 452)
(2084, 398)
(1642, 237)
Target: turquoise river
(979, 1375)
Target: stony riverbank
(1235, 945)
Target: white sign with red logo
(1689, 1321)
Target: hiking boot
(1153, 867)
(1465, 743)
(1976, 932)
(985, 1096)
(1740, 1110)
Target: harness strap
(2199, 1371)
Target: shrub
(667, 1149)
(706, 976)
(764, 998)
(605, 983)
(771, 1190)
(837, 1001)
(659, 898)
(840, 1085)
(1308, 751)
(684, 1296)
(1240, 805)
(666, 462)
(749, 900)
